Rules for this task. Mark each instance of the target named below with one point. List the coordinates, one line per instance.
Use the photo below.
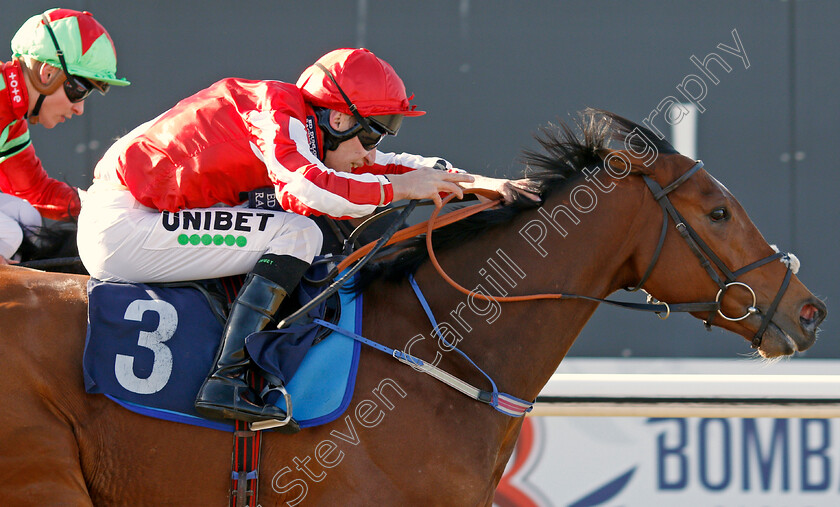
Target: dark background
(490, 73)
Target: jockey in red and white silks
(196, 160)
(165, 202)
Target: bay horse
(407, 439)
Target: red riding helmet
(369, 82)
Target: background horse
(407, 439)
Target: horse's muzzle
(785, 336)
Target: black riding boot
(225, 393)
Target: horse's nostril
(810, 316)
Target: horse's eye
(719, 214)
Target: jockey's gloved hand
(519, 192)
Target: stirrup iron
(274, 423)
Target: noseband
(707, 257)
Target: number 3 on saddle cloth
(149, 348)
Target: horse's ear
(623, 162)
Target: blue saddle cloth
(150, 347)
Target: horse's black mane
(565, 153)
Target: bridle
(701, 250)
(707, 257)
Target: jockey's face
(350, 154)
(56, 107)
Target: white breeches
(122, 240)
(15, 213)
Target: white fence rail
(747, 389)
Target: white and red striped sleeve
(304, 184)
(398, 163)
(307, 187)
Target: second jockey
(59, 58)
(165, 202)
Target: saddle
(149, 347)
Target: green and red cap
(88, 49)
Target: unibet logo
(216, 239)
(215, 220)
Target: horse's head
(674, 231)
(712, 252)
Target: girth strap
(245, 465)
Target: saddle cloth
(149, 348)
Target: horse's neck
(520, 344)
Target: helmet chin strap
(33, 116)
(44, 89)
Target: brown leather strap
(435, 222)
(414, 230)
(431, 225)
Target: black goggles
(76, 88)
(379, 126)
(370, 130)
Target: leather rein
(701, 250)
